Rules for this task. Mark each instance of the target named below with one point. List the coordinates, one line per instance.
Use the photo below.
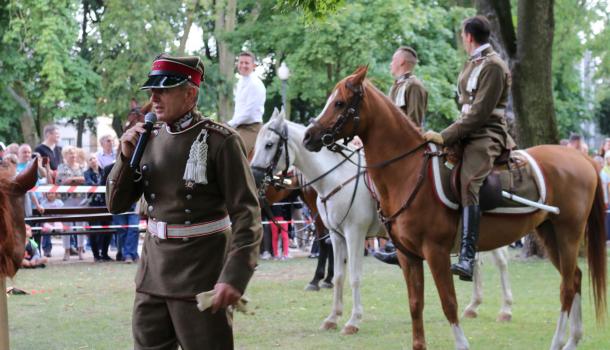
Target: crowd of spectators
(70, 166)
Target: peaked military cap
(169, 71)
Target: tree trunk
(80, 129)
(187, 27)
(226, 11)
(28, 127)
(532, 75)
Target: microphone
(149, 119)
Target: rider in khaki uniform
(481, 129)
(409, 94)
(204, 224)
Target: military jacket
(411, 96)
(483, 89)
(184, 267)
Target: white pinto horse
(349, 213)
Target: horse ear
(275, 113)
(26, 179)
(282, 114)
(359, 75)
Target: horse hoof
(349, 330)
(470, 314)
(504, 317)
(328, 325)
(312, 287)
(326, 285)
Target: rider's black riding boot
(470, 234)
(388, 258)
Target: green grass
(87, 306)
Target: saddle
(515, 172)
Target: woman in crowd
(99, 242)
(71, 173)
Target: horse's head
(12, 241)
(272, 152)
(340, 118)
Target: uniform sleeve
(417, 103)
(237, 186)
(489, 92)
(122, 189)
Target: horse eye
(339, 104)
(268, 145)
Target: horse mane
(7, 238)
(344, 92)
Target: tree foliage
(319, 54)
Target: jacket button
(187, 222)
(152, 196)
(146, 182)
(144, 167)
(188, 211)
(150, 208)
(189, 196)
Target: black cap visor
(163, 82)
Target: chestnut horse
(12, 233)
(424, 229)
(273, 193)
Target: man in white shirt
(250, 97)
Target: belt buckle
(161, 229)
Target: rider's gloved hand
(433, 136)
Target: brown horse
(274, 194)
(12, 233)
(12, 227)
(424, 229)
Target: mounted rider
(481, 129)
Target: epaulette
(217, 127)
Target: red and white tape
(58, 226)
(68, 189)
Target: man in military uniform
(481, 129)
(408, 92)
(204, 225)
(410, 95)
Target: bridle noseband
(269, 170)
(352, 112)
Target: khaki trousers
(477, 162)
(162, 324)
(248, 133)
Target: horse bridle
(268, 171)
(352, 112)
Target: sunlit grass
(87, 306)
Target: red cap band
(169, 66)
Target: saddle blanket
(521, 176)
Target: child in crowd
(31, 258)
(51, 200)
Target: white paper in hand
(205, 299)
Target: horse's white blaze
(461, 343)
(560, 331)
(330, 98)
(575, 323)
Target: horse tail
(7, 238)
(596, 251)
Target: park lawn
(88, 306)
